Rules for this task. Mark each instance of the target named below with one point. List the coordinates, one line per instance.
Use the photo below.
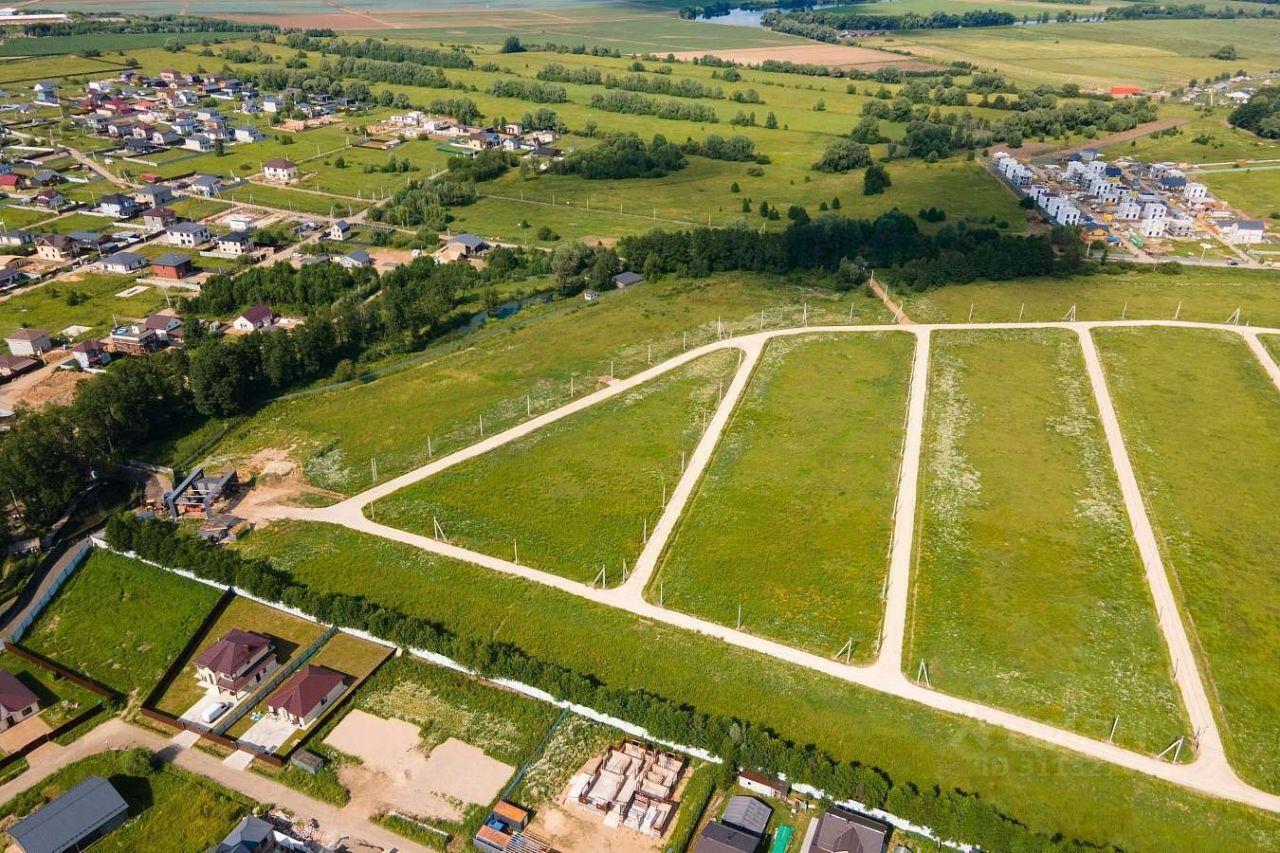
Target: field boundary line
(1264, 357)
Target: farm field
(1027, 591)
(576, 497)
(288, 635)
(1201, 419)
(1205, 294)
(811, 455)
(170, 811)
(1153, 54)
(120, 622)
(1042, 787)
(89, 300)
(533, 353)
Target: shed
(626, 279)
(747, 814)
(29, 342)
(73, 821)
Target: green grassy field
(1202, 422)
(533, 353)
(15, 217)
(288, 634)
(576, 496)
(60, 699)
(1027, 592)
(793, 517)
(1047, 789)
(170, 811)
(120, 622)
(198, 208)
(1152, 54)
(1205, 294)
(1204, 138)
(1255, 192)
(97, 305)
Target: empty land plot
(120, 621)
(1046, 788)
(1202, 423)
(1205, 295)
(578, 495)
(334, 435)
(793, 517)
(1028, 593)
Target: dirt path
(1209, 773)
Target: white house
(1240, 232)
(1068, 214)
(280, 170)
(1155, 210)
(248, 133)
(1153, 227)
(198, 142)
(1194, 191)
(189, 234)
(123, 262)
(1180, 227)
(235, 243)
(256, 317)
(1128, 211)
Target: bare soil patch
(277, 481)
(576, 831)
(16, 737)
(833, 55)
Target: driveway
(195, 714)
(268, 733)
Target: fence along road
(1209, 773)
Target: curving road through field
(1210, 772)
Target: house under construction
(631, 785)
(198, 493)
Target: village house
(237, 663)
(626, 279)
(74, 821)
(89, 354)
(158, 219)
(173, 266)
(135, 339)
(339, 230)
(206, 185)
(46, 92)
(166, 324)
(16, 239)
(31, 343)
(12, 181)
(280, 170)
(189, 234)
(248, 133)
(156, 195)
(307, 694)
(15, 365)
(354, 259)
(17, 702)
(198, 142)
(123, 262)
(259, 316)
(50, 200)
(117, 206)
(11, 277)
(55, 247)
(841, 831)
(236, 243)
(1244, 231)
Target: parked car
(215, 711)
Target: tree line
(952, 814)
(387, 51)
(622, 155)
(636, 104)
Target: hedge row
(951, 814)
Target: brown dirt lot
(833, 55)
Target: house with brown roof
(56, 247)
(12, 366)
(17, 702)
(259, 316)
(32, 343)
(307, 695)
(90, 354)
(237, 663)
(280, 170)
(841, 831)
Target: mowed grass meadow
(89, 300)
(536, 353)
(1202, 423)
(1047, 789)
(576, 497)
(1200, 294)
(120, 622)
(793, 516)
(1027, 592)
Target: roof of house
(342, 225)
(124, 258)
(88, 346)
(747, 814)
(170, 259)
(249, 834)
(17, 363)
(161, 319)
(8, 274)
(257, 313)
(160, 213)
(236, 237)
(233, 651)
(14, 695)
(206, 181)
(27, 335)
(279, 163)
(115, 198)
(1249, 225)
(718, 838)
(360, 256)
(61, 824)
(627, 278)
(471, 241)
(840, 831)
(301, 693)
(188, 227)
(767, 781)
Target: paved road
(1209, 773)
(348, 822)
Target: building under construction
(632, 786)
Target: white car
(215, 711)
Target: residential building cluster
(1126, 201)
(512, 136)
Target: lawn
(289, 635)
(14, 217)
(170, 811)
(1204, 138)
(812, 454)
(89, 300)
(579, 495)
(1202, 422)
(196, 209)
(1045, 788)
(533, 353)
(120, 622)
(1255, 192)
(297, 201)
(60, 699)
(1028, 593)
(1204, 294)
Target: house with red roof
(307, 695)
(236, 663)
(17, 702)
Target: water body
(739, 18)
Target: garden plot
(793, 517)
(1028, 592)
(409, 780)
(1202, 424)
(577, 496)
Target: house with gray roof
(75, 820)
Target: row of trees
(382, 49)
(623, 155)
(529, 90)
(682, 87)
(736, 148)
(893, 243)
(739, 742)
(635, 104)
(279, 285)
